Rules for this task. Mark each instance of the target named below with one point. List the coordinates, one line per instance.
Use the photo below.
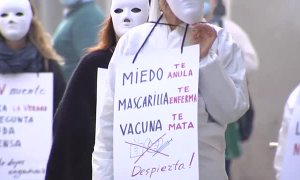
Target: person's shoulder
(140, 30)
(133, 38)
(97, 54)
(232, 27)
(219, 30)
(138, 33)
(89, 64)
(98, 58)
(223, 35)
(229, 22)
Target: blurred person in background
(236, 132)
(25, 46)
(77, 31)
(215, 12)
(75, 120)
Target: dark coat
(58, 80)
(59, 83)
(75, 122)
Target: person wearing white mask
(221, 68)
(75, 119)
(77, 31)
(25, 46)
(126, 15)
(15, 21)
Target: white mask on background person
(189, 11)
(68, 2)
(15, 19)
(127, 14)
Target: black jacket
(75, 121)
(58, 80)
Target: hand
(204, 35)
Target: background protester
(236, 132)
(25, 46)
(221, 67)
(71, 154)
(77, 31)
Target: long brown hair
(107, 37)
(40, 38)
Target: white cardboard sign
(291, 160)
(155, 119)
(26, 110)
(102, 75)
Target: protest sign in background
(25, 125)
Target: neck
(16, 45)
(171, 18)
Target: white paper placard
(291, 160)
(102, 75)
(26, 110)
(155, 119)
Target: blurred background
(274, 29)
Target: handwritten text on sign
(155, 120)
(25, 125)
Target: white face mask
(15, 19)
(127, 14)
(189, 11)
(68, 2)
